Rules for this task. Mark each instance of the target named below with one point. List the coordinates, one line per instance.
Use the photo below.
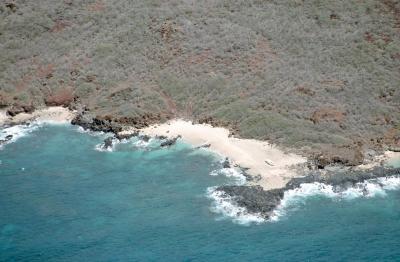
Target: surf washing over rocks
(243, 200)
(367, 189)
(221, 204)
(227, 205)
(10, 134)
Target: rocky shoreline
(108, 125)
(254, 198)
(262, 202)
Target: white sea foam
(17, 132)
(90, 132)
(225, 206)
(100, 147)
(51, 122)
(233, 173)
(115, 142)
(368, 189)
(135, 142)
(142, 144)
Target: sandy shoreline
(273, 165)
(56, 114)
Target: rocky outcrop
(145, 138)
(17, 109)
(343, 179)
(226, 163)
(108, 123)
(7, 138)
(88, 122)
(259, 201)
(169, 142)
(254, 198)
(203, 146)
(108, 143)
(126, 136)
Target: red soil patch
(327, 114)
(60, 97)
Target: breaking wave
(367, 189)
(17, 132)
(233, 173)
(140, 143)
(224, 205)
(101, 147)
(136, 142)
(81, 130)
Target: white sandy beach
(274, 166)
(56, 114)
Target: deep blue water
(62, 200)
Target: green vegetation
(297, 72)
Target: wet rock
(169, 142)
(126, 136)
(145, 138)
(203, 146)
(345, 178)
(161, 137)
(251, 178)
(254, 198)
(7, 138)
(257, 200)
(108, 143)
(226, 163)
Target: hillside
(307, 74)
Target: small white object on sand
(247, 153)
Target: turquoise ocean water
(61, 199)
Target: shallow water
(63, 200)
